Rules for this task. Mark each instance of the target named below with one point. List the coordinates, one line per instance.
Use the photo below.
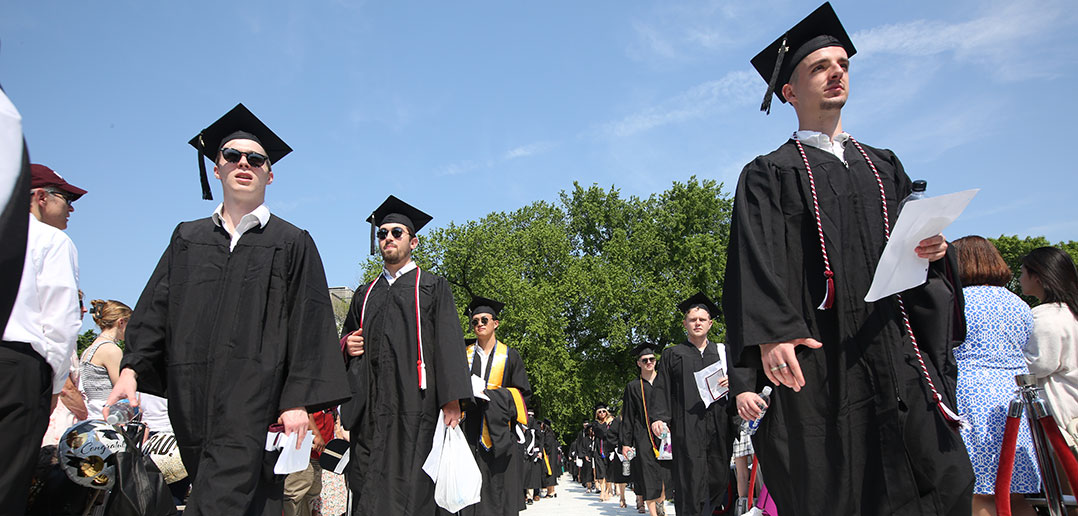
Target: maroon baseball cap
(42, 176)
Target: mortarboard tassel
(766, 105)
(374, 248)
(206, 193)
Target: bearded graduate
(861, 420)
(400, 377)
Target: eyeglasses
(647, 360)
(480, 320)
(67, 198)
(396, 232)
(233, 156)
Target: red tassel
(829, 296)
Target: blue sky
(463, 108)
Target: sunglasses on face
(233, 156)
(396, 232)
(647, 360)
(67, 199)
(480, 320)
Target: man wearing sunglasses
(235, 327)
(40, 333)
(404, 350)
(494, 365)
(648, 476)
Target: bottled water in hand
(121, 413)
(750, 427)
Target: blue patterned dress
(998, 325)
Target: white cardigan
(1052, 354)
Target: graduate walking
(861, 420)
(647, 474)
(405, 356)
(235, 328)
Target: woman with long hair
(998, 324)
(99, 366)
(1048, 274)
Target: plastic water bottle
(121, 413)
(750, 427)
(918, 192)
(626, 464)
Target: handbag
(140, 488)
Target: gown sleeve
(144, 346)
(355, 366)
(518, 376)
(660, 409)
(314, 374)
(756, 295)
(451, 366)
(628, 415)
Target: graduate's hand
(126, 387)
(295, 420)
(452, 413)
(625, 450)
(658, 428)
(354, 343)
(781, 365)
(932, 248)
(724, 381)
(750, 406)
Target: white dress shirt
(46, 312)
(391, 278)
(824, 142)
(258, 217)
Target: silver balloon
(87, 453)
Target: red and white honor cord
(949, 415)
(421, 366)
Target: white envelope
(707, 382)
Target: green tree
(85, 339)
(1013, 248)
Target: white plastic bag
(457, 480)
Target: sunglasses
(647, 359)
(67, 198)
(396, 232)
(480, 320)
(233, 156)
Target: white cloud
(733, 89)
(530, 149)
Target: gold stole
(497, 374)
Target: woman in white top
(1048, 274)
(100, 363)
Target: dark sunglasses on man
(397, 233)
(233, 156)
(480, 320)
(647, 359)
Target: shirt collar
(824, 142)
(402, 271)
(261, 214)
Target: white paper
(478, 386)
(707, 382)
(291, 459)
(434, 458)
(899, 268)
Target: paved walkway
(573, 501)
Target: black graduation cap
(702, 301)
(646, 348)
(777, 62)
(334, 452)
(237, 123)
(482, 305)
(394, 210)
(600, 405)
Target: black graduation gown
(232, 339)
(601, 451)
(501, 467)
(702, 437)
(862, 437)
(647, 474)
(392, 421)
(550, 447)
(533, 463)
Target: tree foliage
(1013, 248)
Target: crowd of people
(895, 406)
